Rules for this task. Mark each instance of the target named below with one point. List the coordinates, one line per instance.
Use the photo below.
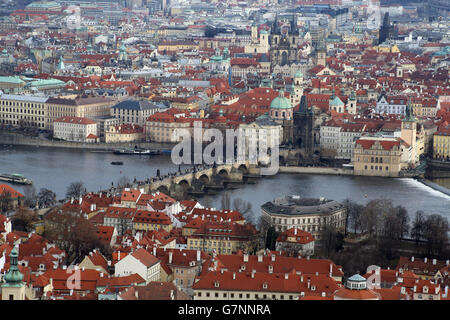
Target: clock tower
(409, 130)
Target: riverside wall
(317, 170)
(21, 140)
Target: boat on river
(15, 178)
(138, 151)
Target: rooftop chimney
(198, 255)
(246, 257)
(434, 262)
(425, 260)
(412, 259)
(286, 276)
(234, 275)
(154, 251)
(273, 257)
(295, 231)
(170, 257)
(260, 258)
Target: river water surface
(55, 169)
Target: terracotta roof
(76, 120)
(345, 293)
(260, 282)
(4, 188)
(295, 235)
(280, 264)
(145, 257)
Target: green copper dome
(336, 102)
(14, 277)
(281, 102)
(263, 31)
(298, 74)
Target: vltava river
(55, 169)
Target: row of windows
(375, 168)
(305, 220)
(29, 111)
(246, 295)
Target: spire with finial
(13, 277)
(409, 116)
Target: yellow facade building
(441, 143)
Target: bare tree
(24, 219)
(225, 201)
(435, 233)
(30, 195)
(5, 201)
(354, 213)
(46, 198)
(331, 240)
(207, 202)
(417, 229)
(75, 190)
(244, 207)
(374, 211)
(403, 221)
(72, 233)
(123, 182)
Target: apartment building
(21, 110)
(74, 129)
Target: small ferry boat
(139, 151)
(117, 163)
(15, 178)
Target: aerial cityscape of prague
(247, 150)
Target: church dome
(298, 74)
(281, 102)
(263, 31)
(336, 102)
(13, 276)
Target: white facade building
(391, 105)
(140, 262)
(74, 129)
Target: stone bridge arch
(163, 189)
(224, 173)
(204, 178)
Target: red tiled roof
(345, 293)
(145, 257)
(4, 188)
(298, 235)
(260, 282)
(76, 120)
(280, 264)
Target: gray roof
(23, 98)
(136, 105)
(357, 278)
(301, 206)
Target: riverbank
(10, 138)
